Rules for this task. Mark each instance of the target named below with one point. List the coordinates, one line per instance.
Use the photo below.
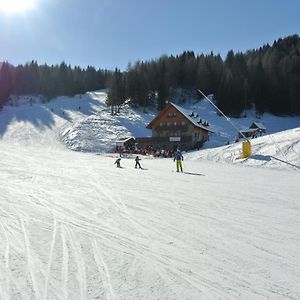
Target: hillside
(73, 226)
(84, 123)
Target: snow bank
(280, 150)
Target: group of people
(144, 151)
(178, 158)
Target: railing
(171, 128)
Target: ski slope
(279, 151)
(73, 226)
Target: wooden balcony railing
(171, 128)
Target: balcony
(171, 128)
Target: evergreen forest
(49, 81)
(267, 78)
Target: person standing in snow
(118, 162)
(178, 158)
(137, 162)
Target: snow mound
(99, 131)
(94, 134)
(279, 150)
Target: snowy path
(75, 227)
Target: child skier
(179, 158)
(137, 162)
(118, 162)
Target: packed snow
(73, 226)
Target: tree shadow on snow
(41, 115)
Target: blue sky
(110, 33)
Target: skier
(179, 158)
(118, 162)
(137, 162)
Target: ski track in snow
(104, 271)
(170, 264)
(81, 273)
(29, 261)
(75, 227)
(155, 257)
(65, 263)
(50, 259)
(4, 287)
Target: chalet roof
(248, 130)
(191, 116)
(188, 114)
(258, 125)
(123, 141)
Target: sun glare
(16, 6)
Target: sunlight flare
(16, 6)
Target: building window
(182, 123)
(171, 114)
(168, 123)
(175, 124)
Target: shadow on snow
(268, 158)
(41, 115)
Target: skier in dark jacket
(118, 162)
(137, 162)
(178, 158)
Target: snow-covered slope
(99, 132)
(82, 123)
(280, 150)
(73, 226)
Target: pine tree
(5, 83)
(163, 88)
(116, 91)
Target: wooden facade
(175, 126)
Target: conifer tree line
(49, 81)
(267, 78)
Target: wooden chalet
(259, 126)
(248, 133)
(256, 129)
(175, 127)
